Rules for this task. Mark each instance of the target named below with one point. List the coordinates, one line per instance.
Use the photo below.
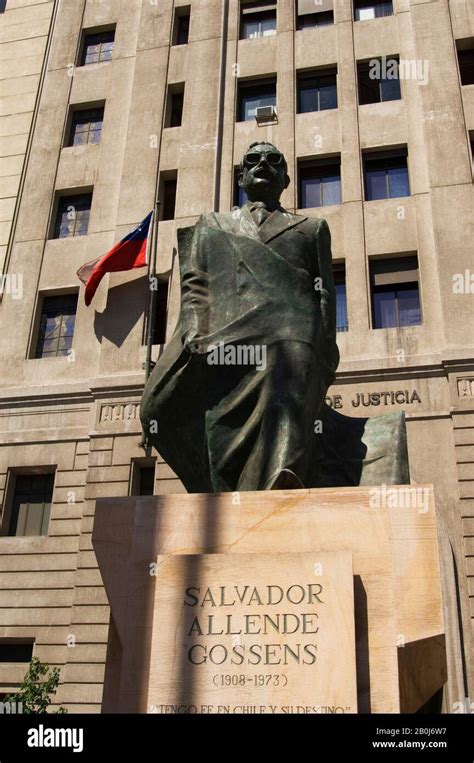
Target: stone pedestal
(272, 602)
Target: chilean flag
(131, 252)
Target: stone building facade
(105, 101)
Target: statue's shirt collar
(277, 222)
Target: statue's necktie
(260, 214)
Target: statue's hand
(190, 340)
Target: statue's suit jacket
(302, 243)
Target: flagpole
(152, 300)
(151, 306)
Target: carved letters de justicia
(367, 399)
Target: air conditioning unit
(265, 114)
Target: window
(181, 25)
(307, 16)
(240, 197)
(257, 19)
(97, 47)
(254, 94)
(72, 218)
(56, 326)
(14, 653)
(317, 90)
(147, 480)
(386, 175)
(465, 49)
(86, 127)
(18, 651)
(143, 476)
(168, 187)
(395, 293)
(310, 20)
(378, 80)
(3, 5)
(161, 313)
(31, 505)
(176, 115)
(319, 183)
(372, 9)
(339, 271)
(174, 109)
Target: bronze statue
(236, 400)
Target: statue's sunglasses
(254, 157)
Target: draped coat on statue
(235, 427)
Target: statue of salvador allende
(237, 399)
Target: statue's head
(263, 173)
